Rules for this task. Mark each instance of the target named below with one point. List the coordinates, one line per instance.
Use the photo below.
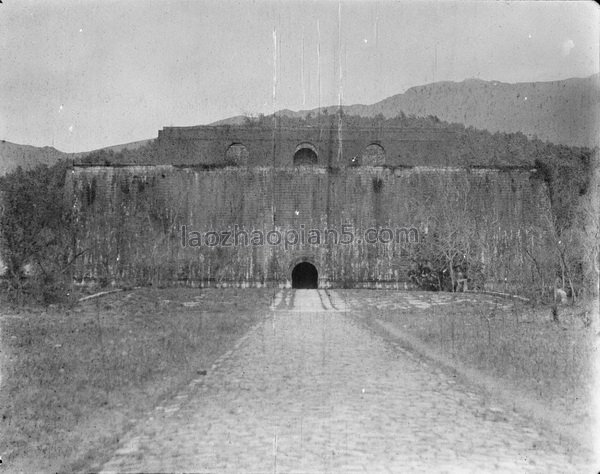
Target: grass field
(74, 380)
(511, 341)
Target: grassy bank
(74, 380)
(512, 341)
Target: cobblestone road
(308, 390)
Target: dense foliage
(37, 231)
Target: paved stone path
(308, 390)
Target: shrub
(37, 232)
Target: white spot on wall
(567, 46)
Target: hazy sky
(86, 74)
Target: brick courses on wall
(131, 216)
(275, 146)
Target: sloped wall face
(251, 226)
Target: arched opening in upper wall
(237, 154)
(305, 155)
(373, 155)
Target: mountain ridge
(13, 155)
(565, 111)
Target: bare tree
(450, 240)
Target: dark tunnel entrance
(305, 276)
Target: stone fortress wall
(235, 179)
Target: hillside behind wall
(131, 220)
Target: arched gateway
(305, 276)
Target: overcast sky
(81, 75)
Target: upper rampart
(343, 146)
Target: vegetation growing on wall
(473, 148)
(557, 248)
(37, 232)
(561, 248)
(451, 246)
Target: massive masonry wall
(268, 146)
(132, 218)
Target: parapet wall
(276, 146)
(132, 218)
